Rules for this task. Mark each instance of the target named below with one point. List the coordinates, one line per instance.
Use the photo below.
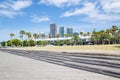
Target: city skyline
(70, 31)
(61, 31)
(35, 15)
(53, 30)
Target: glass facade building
(70, 31)
(53, 30)
(61, 31)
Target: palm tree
(113, 31)
(12, 35)
(50, 35)
(95, 37)
(108, 31)
(84, 35)
(103, 36)
(36, 36)
(43, 35)
(75, 38)
(81, 33)
(117, 36)
(58, 35)
(28, 34)
(66, 35)
(40, 35)
(114, 28)
(22, 32)
(88, 33)
(20, 37)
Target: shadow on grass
(118, 47)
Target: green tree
(88, 33)
(84, 35)
(43, 35)
(25, 43)
(12, 35)
(81, 33)
(29, 35)
(93, 36)
(31, 42)
(117, 36)
(66, 35)
(44, 43)
(58, 35)
(76, 39)
(40, 35)
(3, 43)
(9, 43)
(39, 43)
(61, 43)
(108, 35)
(35, 37)
(16, 42)
(102, 36)
(114, 29)
(22, 32)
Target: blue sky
(36, 15)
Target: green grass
(80, 47)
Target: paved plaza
(13, 67)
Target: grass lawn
(81, 47)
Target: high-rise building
(61, 31)
(70, 31)
(53, 30)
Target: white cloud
(38, 19)
(111, 5)
(8, 13)
(13, 8)
(18, 5)
(94, 12)
(2, 5)
(60, 3)
(88, 7)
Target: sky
(35, 16)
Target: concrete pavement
(13, 67)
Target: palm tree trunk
(35, 42)
(28, 43)
(109, 42)
(22, 40)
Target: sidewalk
(13, 67)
